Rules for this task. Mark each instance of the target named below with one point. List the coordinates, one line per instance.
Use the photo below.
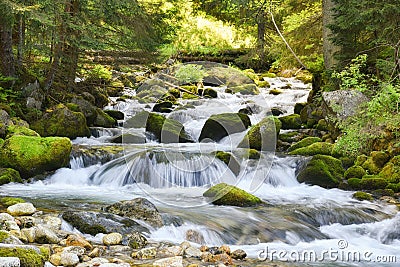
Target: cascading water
(297, 217)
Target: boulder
(128, 138)
(318, 148)
(87, 108)
(44, 235)
(137, 209)
(134, 240)
(62, 122)
(391, 171)
(5, 121)
(94, 223)
(69, 259)
(355, 172)
(29, 256)
(34, 155)
(115, 114)
(10, 262)
(163, 107)
(103, 119)
(112, 239)
(221, 125)
(79, 241)
(8, 175)
(238, 254)
(344, 103)
(322, 170)
(167, 130)
(229, 160)
(228, 195)
(137, 121)
(263, 135)
(21, 209)
(292, 121)
(209, 92)
(298, 107)
(362, 196)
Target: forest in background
(54, 42)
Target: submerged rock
(94, 223)
(221, 125)
(138, 209)
(224, 194)
(34, 155)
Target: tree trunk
(21, 40)
(329, 48)
(261, 39)
(6, 52)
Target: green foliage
(99, 72)
(190, 73)
(352, 77)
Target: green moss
(167, 130)
(73, 107)
(251, 74)
(355, 172)
(104, 120)
(304, 76)
(395, 187)
(209, 92)
(62, 122)
(9, 176)
(383, 192)
(304, 143)
(372, 183)
(322, 170)
(370, 166)
(9, 201)
(290, 136)
(3, 236)
(263, 84)
(292, 121)
(175, 92)
(322, 125)
(224, 194)
(115, 114)
(362, 196)
(223, 156)
(319, 148)
(1, 141)
(275, 92)
(253, 154)
(34, 155)
(28, 256)
(354, 183)
(347, 162)
(360, 160)
(190, 88)
(189, 96)
(221, 125)
(391, 171)
(20, 130)
(268, 75)
(263, 135)
(246, 89)
(380, 158)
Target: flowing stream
(298, 219)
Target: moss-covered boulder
(395, 187)
(263, 135)
(371, 167)
(115, 114)
(8, 175)
(209, 92)
(362, 196)
(20, 130)
(167, 130)
(103, 119)
(322, 170)
(253, 154)
(275, 92)
(137, 121)
(35, 155)
(292, 121)
(372, 183)
(391, 171)
(9, 201)
(354, 183)
(163, 107)
(229, 160)
(62, 122)
(228, 195)
(221, 125)
(29, 256)
(319, 148)
(298, 107)
(360, 160)
(246, 89)
(355, 172)
(304, 143)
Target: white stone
(45, 236)
(69, 259)
(54, 223)
(21, 209)
(74, 249)
(169, 262)
(193, 252)
(10, 262)
(112, 239)
(6, 217)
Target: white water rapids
(298, 218)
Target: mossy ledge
(29, 256)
